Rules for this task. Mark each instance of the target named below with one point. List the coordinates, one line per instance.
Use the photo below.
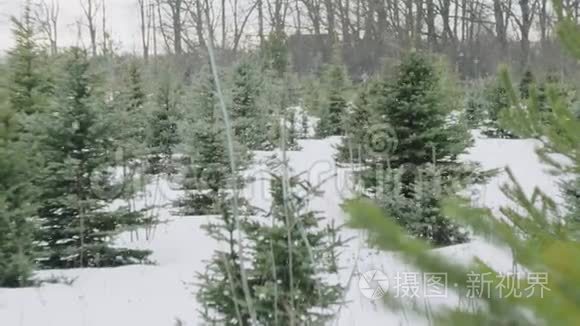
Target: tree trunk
(154, 27)
(344, 9)
(177, 26)
(544, 23)
(418, 31)
(105, 34)
(199, 24)
(261, 22)
(330, 19)
(527, 19)
(431, 29)
(224, 26)
(90, 9)
(143, 6)
(409, 22)
(500, 26)
(46, 16)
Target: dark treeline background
(475, 35)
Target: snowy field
(164, 294)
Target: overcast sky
(122, 16)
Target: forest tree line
(475, 35)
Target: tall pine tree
(250, 123)
(333, 115)
(356, 145)
(275, 53)
(417, 126)
(475, 105)
(208, 169)
(415, 105)
(28, 85)
(128, 103)
(24, 91)
(162, 135)
(280, 98)
(16, 204)
(77, 143)
(528, 81)
(497, 100)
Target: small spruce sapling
(293, 254)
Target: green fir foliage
(78, 146)
(249, 119)
(407, 127)
(289, 256)
(28, 80)
(162, 135)
(208, 170)
(16, 204)
(334, 110)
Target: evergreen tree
(208, 169)
(419, 212)
(77, 183)
(564, 92)
(289, 254)
(16, 204)
(571, 192)
(281, 91)
(28, 86)
(304, 125)
(276, 56)
(528, 81)
(416, 108)
(293, 256)
(497, 99)
(357, 144)
(475, 106)
(280, 96)
(128, 105)
(133, 90)
(250, 126)
(221, 291)
(162, 136)
(334, 112)
(284, 126)
(129, 102)
(416, 126)
(23, 91)
(292, 127)
(313, 95)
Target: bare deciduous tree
(90, 10)
(240, 20)
(278, 12)
(107, 42)
(502, 18)
(172, 31)
(47, 16)
(524, 21)
(147, 19)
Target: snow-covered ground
(164, 294)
